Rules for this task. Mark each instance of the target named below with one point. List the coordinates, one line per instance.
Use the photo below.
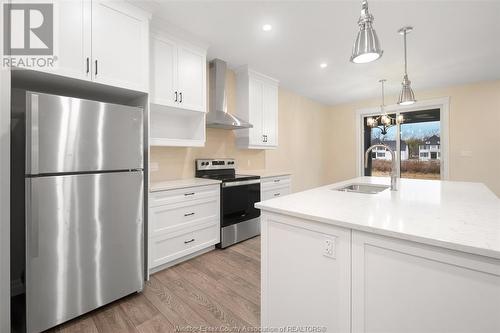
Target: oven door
(238, 201)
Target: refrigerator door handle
(32, 135)
(32, 217)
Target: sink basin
(363, 188)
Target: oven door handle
(241, 183)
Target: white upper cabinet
(72, 44)
(192, 69)
(178, 74)
(120, 35)
(257, 102)
(102, 41)
(163, 72)
(270, 114)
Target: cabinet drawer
(167, 218)
(183, 195)
(275, 182)
(166, 248)
(275, 192)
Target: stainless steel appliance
(217, 115)
(83, 204)
(240, 219)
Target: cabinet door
(72, 47)
(270, 115)
(163, 72)
(402, 286)
(255, 101)
(301, 285)
(119, 45)
(192, 79)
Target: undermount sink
(362, 188)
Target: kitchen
(225, 157)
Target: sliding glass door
(417, 140)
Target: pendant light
(366, 47)
(384, 119)
(407, 96)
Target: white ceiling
(454, 42)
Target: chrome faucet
(394, 175)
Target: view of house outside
(420, 147)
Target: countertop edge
(180, 185)
(384, 232)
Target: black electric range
(240, 219)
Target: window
(417, 139)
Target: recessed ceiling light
(323, 65)
(267, 27)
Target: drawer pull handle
(189, 241)
(277, 180)
(186, 194)
(189, 214)
(277, 194)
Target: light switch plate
(329, 247)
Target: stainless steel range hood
(217, 116)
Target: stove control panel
(214, 164)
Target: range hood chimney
(217, 116)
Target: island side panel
(402, 286)
(304, 284)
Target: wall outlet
(329, 247)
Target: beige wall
(303, 136)
(474, 126)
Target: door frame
(443, 104)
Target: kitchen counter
(181, 183)
(265, 173)
(425, 258)
(455, 215)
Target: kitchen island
(425, 258)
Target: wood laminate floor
(218, 289)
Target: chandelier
(384, 121)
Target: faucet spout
(394, 176)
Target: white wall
(4, 201)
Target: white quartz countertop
(181, 183)
(460, 216)
(264, 173)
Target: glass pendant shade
(367, 46)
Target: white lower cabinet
(351, 281)
(273, 187)
(402, 286)
(301, 286)
(182, 222)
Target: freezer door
(66, 134)
(84, 245)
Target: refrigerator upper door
(65, 134)
(84, 244)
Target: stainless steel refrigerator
(83, 204)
